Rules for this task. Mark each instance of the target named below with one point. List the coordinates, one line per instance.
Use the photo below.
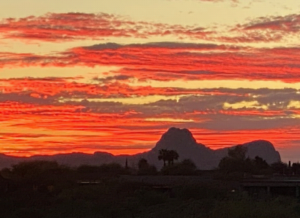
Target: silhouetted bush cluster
(144, 168)
(185, 167)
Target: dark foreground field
(114, 198)
(43, 189)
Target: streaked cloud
(172, 61)
(64, 27)
(75, 26)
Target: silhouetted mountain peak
(176, 139)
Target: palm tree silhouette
(168, 156)
(163, 155)
(172, 155)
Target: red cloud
(199, 62)
(71, 26)
(289, 23)
(62, 87)
(265, 29)
(172, 61)
(179, 62)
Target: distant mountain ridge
(177, 139)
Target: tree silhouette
(168, 156)
(171, 156)
(31, 169)
(185, 167)
(260, 163)
(145, 168)
(296, 168)
(163, 155)
(238, 152)
(236, 160)
(143, 164)
(279, 167)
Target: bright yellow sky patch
(294, 105)
(245, 104)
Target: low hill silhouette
(177, 139)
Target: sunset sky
(114, 75)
